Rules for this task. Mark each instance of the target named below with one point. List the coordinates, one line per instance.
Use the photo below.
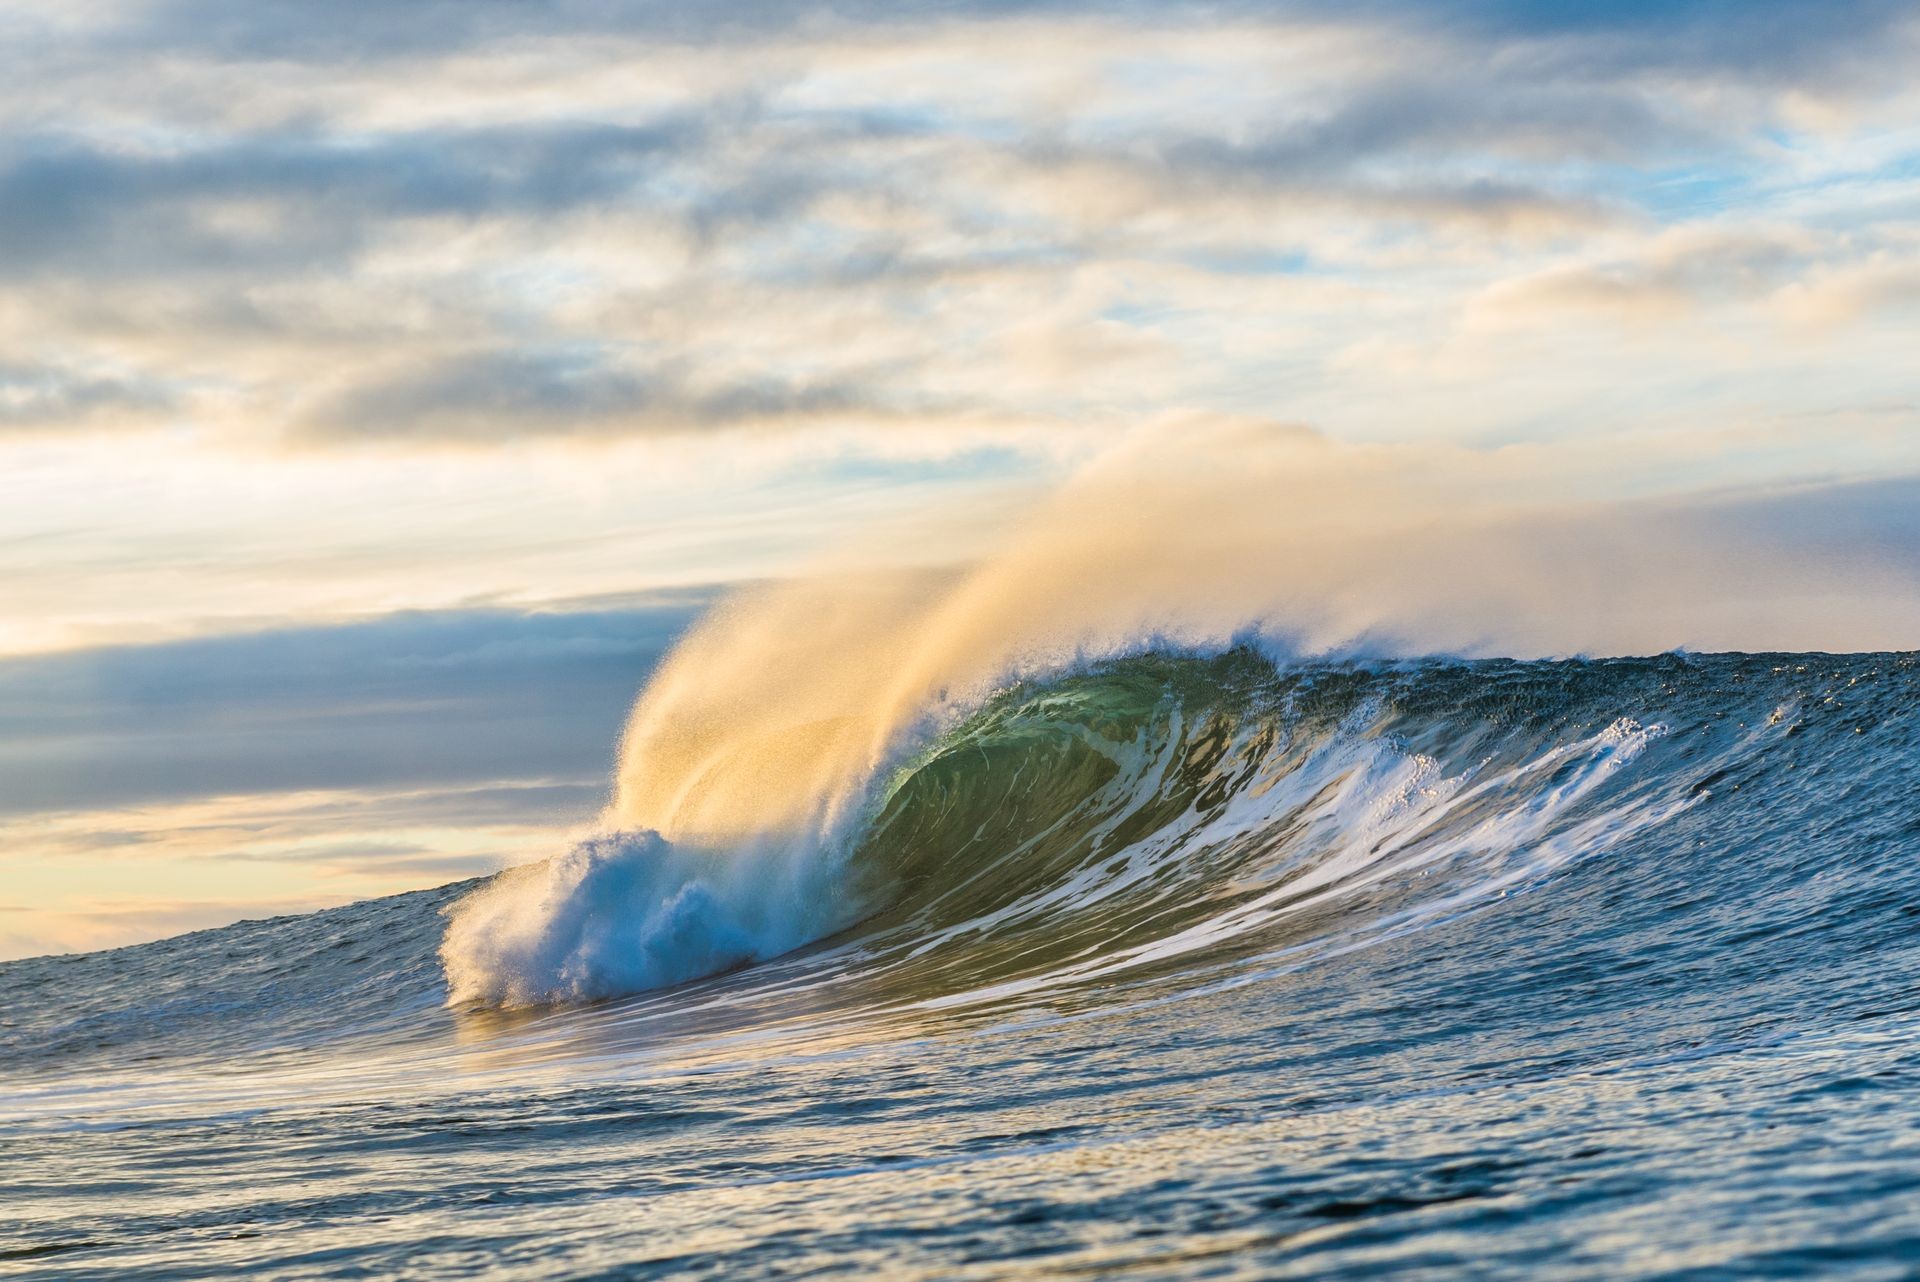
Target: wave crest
(1146, 815)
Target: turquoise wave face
(1161, 822)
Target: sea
(1164, 966)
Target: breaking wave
(1118, 729)
(1150, 815)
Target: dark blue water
(1178, 968)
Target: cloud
(1830, 297)
(410, 701)
(1768, 40)
(491, 223)
(1809, 280)
(503, 394)
(283, 771)
(1674, 273)
(1780, 36)
(52, 396)
(290, 200)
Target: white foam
(622, 912)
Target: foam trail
(753, 755)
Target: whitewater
(1245, 869)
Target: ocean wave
(1145, 814)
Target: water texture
(1170, 966)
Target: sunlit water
(1176, 968)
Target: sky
(384, 387)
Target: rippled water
(1179, 967)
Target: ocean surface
(1171, 967)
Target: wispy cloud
(493, 223)
(284, 771)
(410, 701)
(51, 396)
(478, 396)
